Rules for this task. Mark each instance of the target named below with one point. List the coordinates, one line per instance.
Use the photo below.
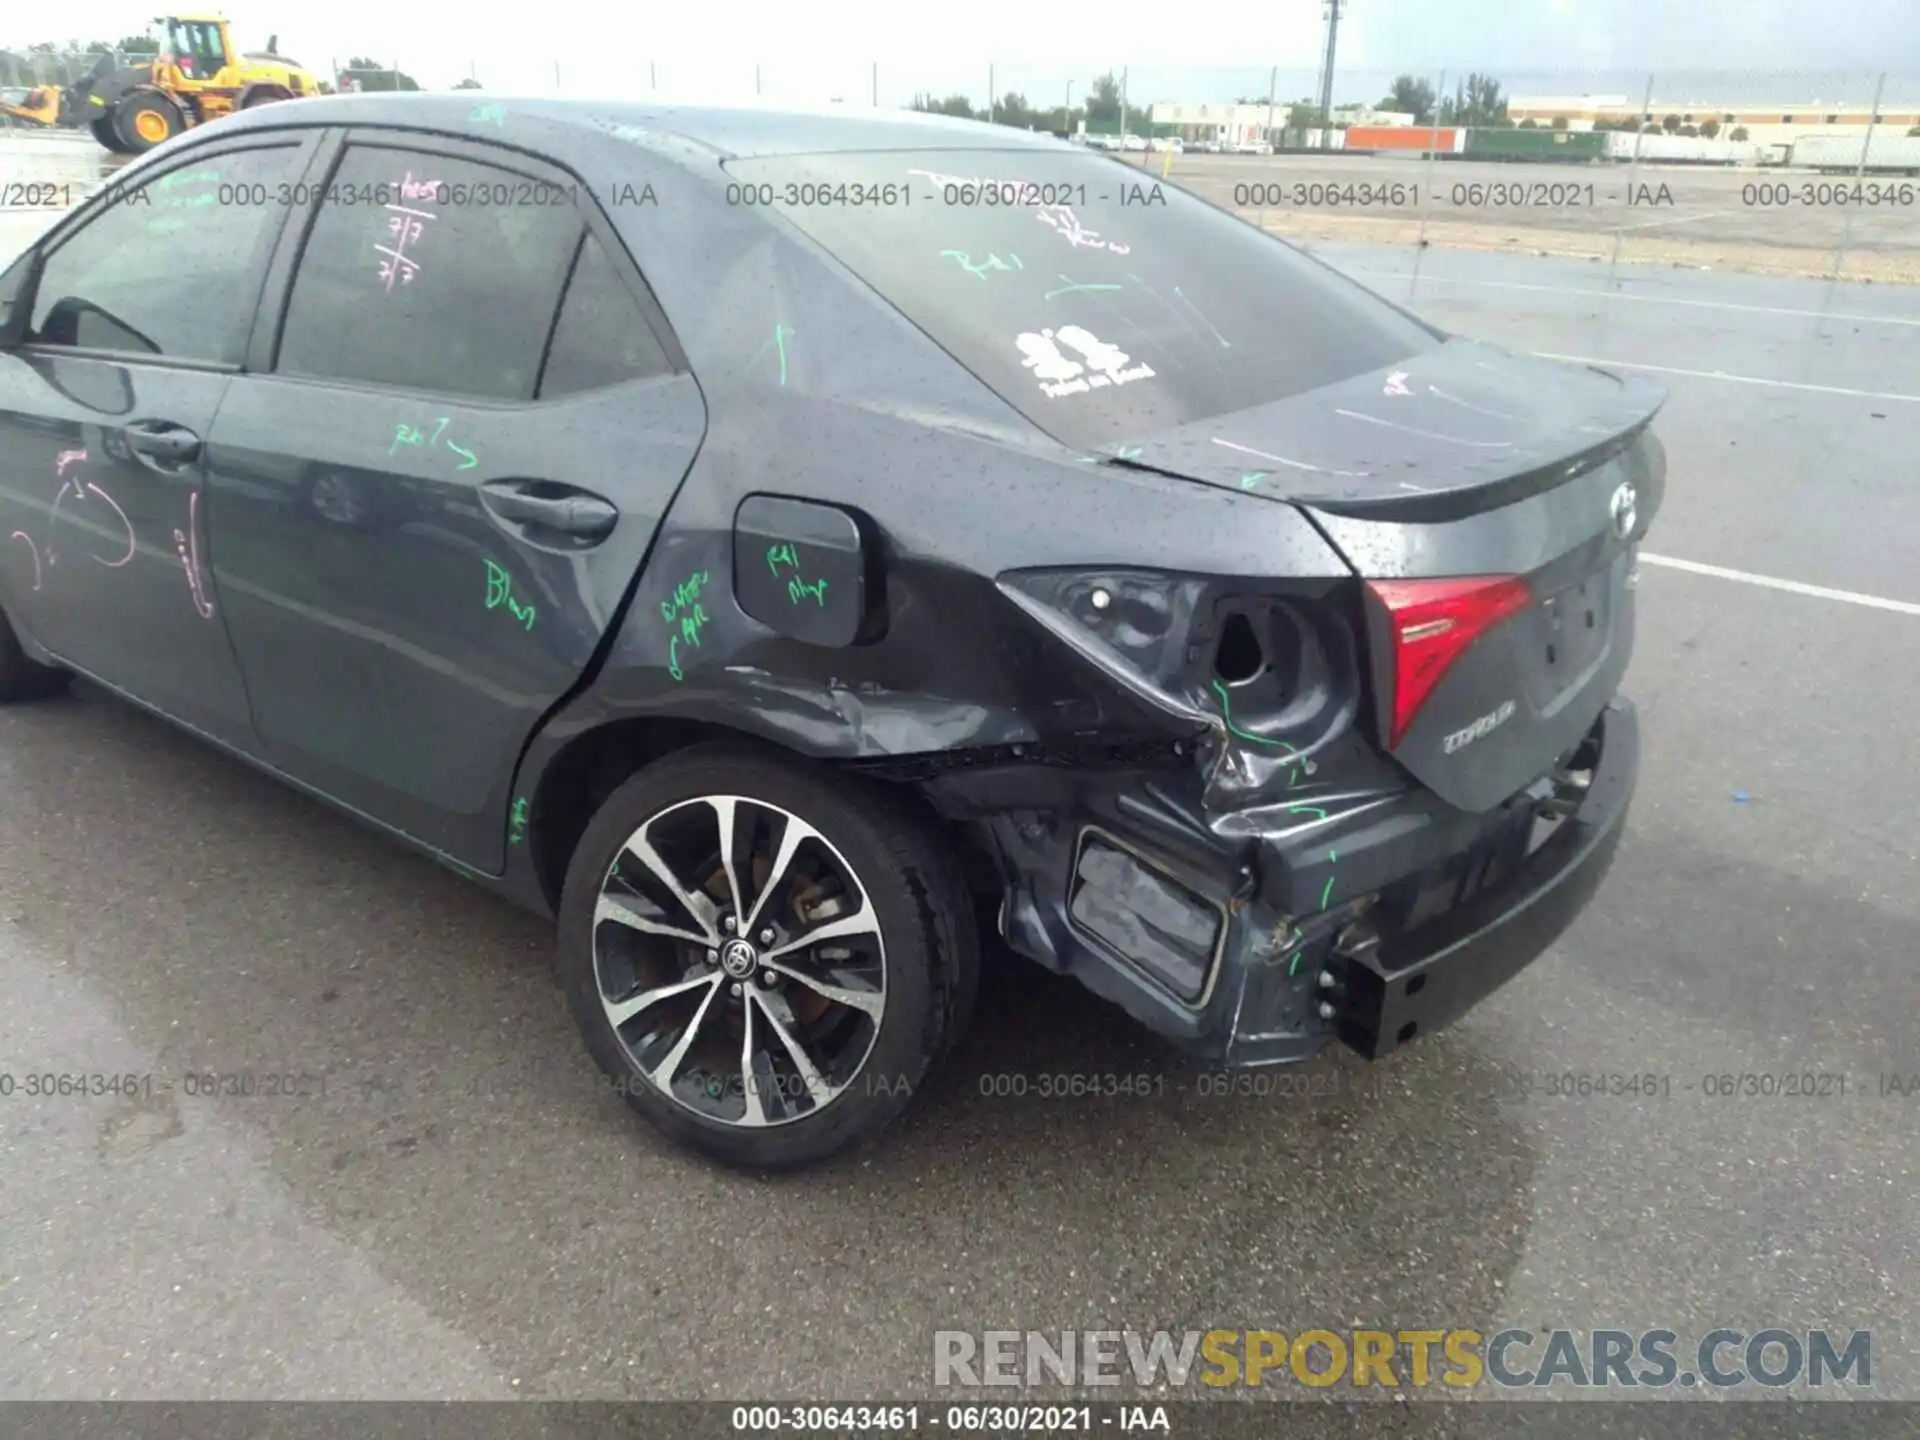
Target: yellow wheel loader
(196, 77)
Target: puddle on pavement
(69, 159)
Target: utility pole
(989, 94)
(1123, 102)
(1273, 84)
(1066, 115)
(1326, 74)
(876, 84)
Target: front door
(137, 327)
(432, 503)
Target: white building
(1766, 125)
(1235, 124)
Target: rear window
(1103, 303)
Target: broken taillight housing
(1431, 624)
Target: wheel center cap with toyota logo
(1625, 510)
(739, 959)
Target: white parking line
(1737, 379)
(1793, 587)
(1679, 220)
(1644, 299)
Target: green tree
(1103, 103)
(1012, 109)
(1476, 100)
(1709, 129)
(956, 105)
(1740, 132)
(1560, 122)
(372, 75)
(137, 45)
(468, 84)
(1671, 124)
(1529, 125)
(1410, 96)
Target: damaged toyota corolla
(906, 527)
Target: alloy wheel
(739, 960)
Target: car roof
(733, 132)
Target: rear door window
(425, 272)
(603, 337)
(1104, 304)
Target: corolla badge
(1485, 725)
(1625, 508)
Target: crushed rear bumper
(1227, 944)
(1391, 991)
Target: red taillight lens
(1432, 622)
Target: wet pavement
(444, 1205)
(69, 163)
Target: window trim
(635, 286)
(249, 281)
(264, 348)
(634, 277)
(277, 286)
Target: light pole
(1326, 74)
(1066, 114)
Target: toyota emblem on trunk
(1625, 511)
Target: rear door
(430, 504)
(137, 329)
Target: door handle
(163, 441)
(557, 508)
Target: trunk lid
(1467, 461)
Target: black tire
(127, 120)
(266, 95)
(102, 130)
(22, 678)
(926, 936)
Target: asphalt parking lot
(1788, 222)
(1708, 201)
(447, 1210)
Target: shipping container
(1624, 145)
(1419, 139)
(1886, 151)
(1517, 144)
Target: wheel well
(592, 766)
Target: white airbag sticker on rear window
(1100, 366)
(1045, 201)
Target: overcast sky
(825, 49)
